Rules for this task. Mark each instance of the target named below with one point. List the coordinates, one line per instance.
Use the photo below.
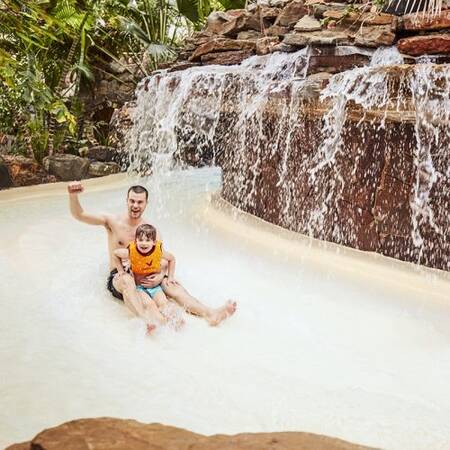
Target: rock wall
(375, 193)
(377, 180)
(108, 434)
(286, 25)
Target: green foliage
(50, 50)
(232, 4)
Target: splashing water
(423, 90)
(257, 120)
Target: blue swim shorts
(150, 291)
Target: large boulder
(67, 167)
(5, 177)
(109, 434)
(25, 171)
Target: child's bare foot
(150, 328)
(222, 313)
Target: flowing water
(326, 339)
(250, 119)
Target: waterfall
(295, 153)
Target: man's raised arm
(76, 210)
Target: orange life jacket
(145, 264)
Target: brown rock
(319, 8)
(325, 37)
(216, 21)
(67, 167)
(308, 23)
(199, 38)
(328, 59)
(5, 178)
(374, 36)
(22, 446)
(109, 434)
(291, 14)
(249, 35)
(243, 22)
(425, 45)
(265, 45)
(282, 47)
(423, 21)
(230, 58)
(269, 14)
(276, 30)
(25, 171)
(222, 45)
(369, 18)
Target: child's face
(144, 244)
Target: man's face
(136, 204)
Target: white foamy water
(326, 339)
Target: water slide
(326, 339)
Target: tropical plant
(51, 50)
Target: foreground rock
(109, 434)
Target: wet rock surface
(119, 434)
(425, 45)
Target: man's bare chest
(122, 234)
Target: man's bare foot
(150, 328)
(222, 313)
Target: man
(121, 231)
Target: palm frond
(189, 9)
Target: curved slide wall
(326, 339)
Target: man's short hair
(146, 230)
(138, 189)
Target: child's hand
(126, 265)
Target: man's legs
(212, 315)
(124, 283)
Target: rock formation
(117, 434)
(378, 180)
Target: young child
(144, 255)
